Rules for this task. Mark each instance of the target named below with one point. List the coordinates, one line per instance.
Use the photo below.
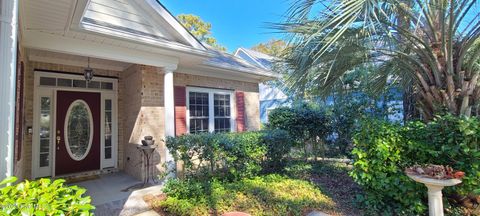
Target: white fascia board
(170, 19)
(221, 74)
(267, 75)
(57, 43)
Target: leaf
(8, 180)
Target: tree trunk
(410, 112)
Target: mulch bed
(339, 186)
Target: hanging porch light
(88, 72)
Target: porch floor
(109, 198)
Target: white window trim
(268, 110)
(211, 114)
(51, 91)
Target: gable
(146, 19)
(259, 59)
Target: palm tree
(429, 46)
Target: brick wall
(144, 115)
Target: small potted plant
(435, 178)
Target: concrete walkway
(109, 197)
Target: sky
(235, 23)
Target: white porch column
(8, 65)
(169, 107)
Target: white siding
(123, 14)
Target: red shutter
(180, 101)
(240, 99)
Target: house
(151, 77)
(271, 96)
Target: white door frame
(51, 92)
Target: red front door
(77, 132)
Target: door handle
(58, 142)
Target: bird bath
(435, 186)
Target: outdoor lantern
(88, 72)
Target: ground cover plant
(262, 195)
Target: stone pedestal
(435, 186)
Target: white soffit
(38, 14)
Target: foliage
(278, 143)
(378, 168)
(299, 170)
(431, 47)
(200, 29)
(43, 197)
(349, 108)
(222, 155)
(264, 195)
(383, 150)
(308, 126)
(273, 47)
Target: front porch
(110, 198)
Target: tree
(200, 29)
(273, 47)
(429, 45)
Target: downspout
(8, 65)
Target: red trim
(180, 101)
(19, 108)
(240, 99)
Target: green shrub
(221, 155)
(306, 124)
(43, 197)
(243, 153)
(278, 143)
(383, 150)
(380, 159)
(265, 195)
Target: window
(108, 129)
(221, 107)
(209, 110)
(75, 83)
(199, 112)
(45, 131)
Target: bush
(380, 159)
(43, 197)
(383, 150)
(278, 143)
(221, 155)
(265, 195)
(306, 124)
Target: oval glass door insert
(78, 130)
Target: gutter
(8, 66)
